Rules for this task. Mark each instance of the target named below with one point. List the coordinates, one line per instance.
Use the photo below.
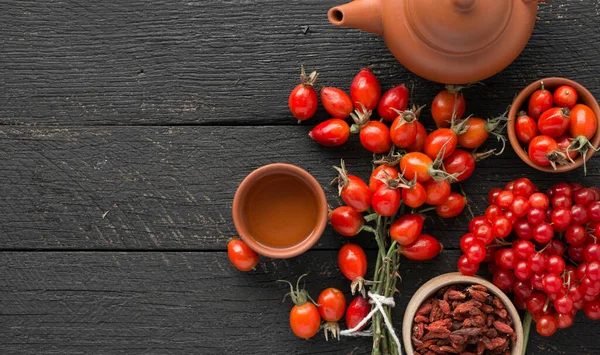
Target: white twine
(379, 301)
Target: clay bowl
(433, 285)
(240, 199)
(520, 102)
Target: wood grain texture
(112, 238)
(188, 303)
(225, 62)
(172, 187)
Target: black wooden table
(126, 127)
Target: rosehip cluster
(385, 202)
(429, 162)
(556, 128)
(306, 315)
(552, 263)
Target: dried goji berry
(463, 320)
(466, 307)
(457, 339)
(448, 349)
(479, 288)
(487, 343)
(503, 327)
(424, 309)
(479, 321)
(486, 308)
(420, 329)
(479, 295)
(416, 342)
(443, 323)
(448, 291)
(440, 333)
(456, 295)
(421, 319)
(426, 344)
(502, 313)
(467, 332)
(445, 307)
(498, 342)
(480, 348)
(434, 309)
(498, 303)
(491, 333)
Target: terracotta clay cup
(520, 103)
(277, 169)
(433, 285)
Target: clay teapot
(448, 41)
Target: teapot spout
(362, 14)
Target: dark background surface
(125, 129)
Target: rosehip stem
(496, 124)
(498, 243)
(391, 158)
(342, 179)
(360, 118)
(384, 283)
(581, 144)
(526, 330)
(484, 155)
(370, 218)
(544, 248)
(460, 127)
(378, 239)
(545, 309)
(299, 296)
(308, 80)
(426, 210)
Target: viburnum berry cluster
(542, 247)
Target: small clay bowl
(433, 285)
(520, 102)
(240, 198)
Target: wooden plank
(179, 303)
(171, 187)
(225, 62)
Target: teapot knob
(463, 5)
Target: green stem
(427, 209)
(379, 260)
(385, 284)
(376, 322)
(390, 288)
(389, 262)
(380, 242)
(386, 280)
(384, 341)
(526, 330)
(376, 334)
(371, 217)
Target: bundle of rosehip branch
(414, 168)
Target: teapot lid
(457, 41)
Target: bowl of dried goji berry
(453, 313)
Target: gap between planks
(164, 250)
